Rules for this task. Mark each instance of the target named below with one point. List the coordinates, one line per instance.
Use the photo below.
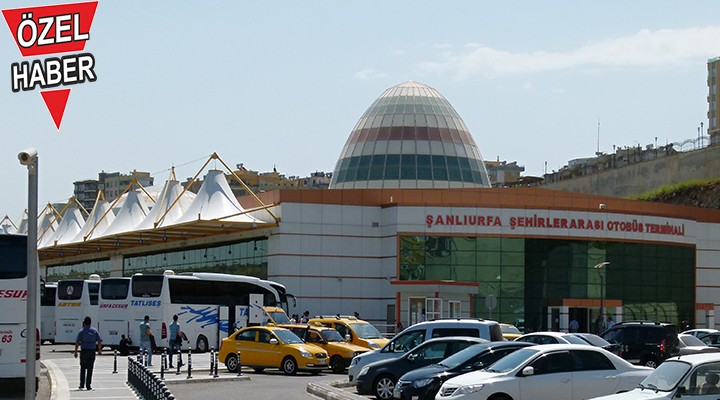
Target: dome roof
(410, 137)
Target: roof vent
(169, 272)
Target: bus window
(114, 289)
(14, 258)
(70, 290)
(48, 295)
(147, 286)
(93, 290)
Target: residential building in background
(713, 104)
(503, 173)
(114, 183)
(86, 192)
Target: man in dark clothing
(124, 346)
(88, 339)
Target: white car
(700, 332)
(550, 338)
(695, 376)
(553, 372)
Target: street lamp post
(29, 159)
(600, 269)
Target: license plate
(322, 361)
(396, 393)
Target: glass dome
(410, 137)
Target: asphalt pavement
(60, 377)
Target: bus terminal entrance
(585, 312)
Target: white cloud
(368, 74)
(645, 48)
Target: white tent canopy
(94, 220)
(132, 213)
(165, 199)
(215, 201)
(47, 224)
(70, 225)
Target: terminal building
(410, 225)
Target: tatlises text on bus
(536, 221)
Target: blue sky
(279, 83)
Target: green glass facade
(653, 281)
(243, 258)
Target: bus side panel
(199, 322)
(12, 350)
(47, 323)
(68, 321)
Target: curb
(59, 389)
(332, 390)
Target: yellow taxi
(339, 351)
(510, 332)
(263, 347)
(361, 333)
(276, 315)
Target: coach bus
(13, 311)
(76, 299)
(48, 294)
(207, 304)
(113, 319)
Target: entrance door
(416, 307)
(582, 316)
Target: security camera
(27, 156)
(602, 206)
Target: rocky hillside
(703, 194)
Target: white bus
(114, 319)
(76, 299)
(48, 294)
(207, 304)
(13, 311)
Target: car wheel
(651, 362)
(383, 387)
(231, 362)
(289, 366)
(201, 346)
(258, 369)
(337, 364)
(500, 397)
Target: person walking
(175, 341)
(305, 317)
(88, 339)
(145, 334)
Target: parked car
(510, 332)
(700, 332)
(263, 347)
(646, 343)
(711, 339)
(414, 335)
(551, 338)
(553, 372)
(695, 376)
(361, 333)
(597, 341)
(379, 378)
(424, 383)
(689, 344)
(339, 350)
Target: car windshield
(512, 360)
(690, 340)
(594, 340)
(279, 317)
(366, 331)
(509, 329)
(666, 376)
(463, 355)
(331, 335)
(575, 340)
(287, 337)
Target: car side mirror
(273, 341)
(347, 337)
(391, 346)
(478, 365)
(412, 357)
(527, 371)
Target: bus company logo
(52, 30)
(13, 293)
(69, 290)
(114, 306)
(145, 303)
(68, 304)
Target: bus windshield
(13, 257)
(70, 290)
(114, 289)
(147, 285)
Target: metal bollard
(212, 359)
(145, 358)
(215, 364)
(162, 365)
(189, 358)
(114, 361)
(239, 365)
(178, 369)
